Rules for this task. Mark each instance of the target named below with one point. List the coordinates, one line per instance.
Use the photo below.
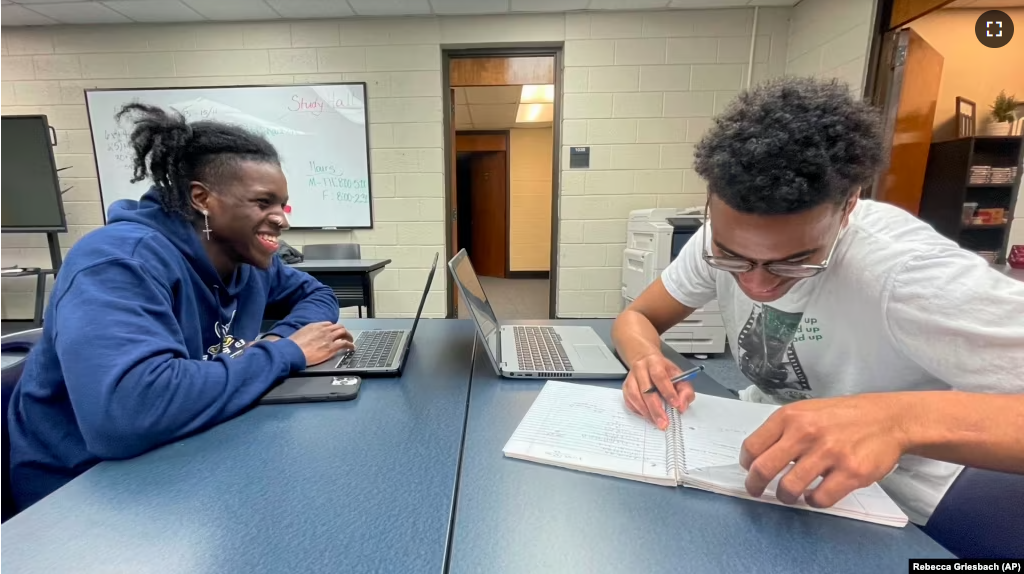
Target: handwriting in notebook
(589, 427)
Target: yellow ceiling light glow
(528, 113)
(538, 94)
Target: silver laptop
(540, 351)
(379, 352)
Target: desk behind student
(530, 517)
(351, 279)
(358, 486)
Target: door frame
(508, 184)
(552, 49)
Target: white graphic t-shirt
(900, 308)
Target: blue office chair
(981, 515)
(14, 347)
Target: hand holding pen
(684, 376)
(653, 381)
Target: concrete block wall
(640, 88)
(831, 38)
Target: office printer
(654, 238)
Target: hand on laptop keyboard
(321, 341)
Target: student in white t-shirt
(887, 342)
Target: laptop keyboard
(540, 349)
(373, 349)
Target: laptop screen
(423, 300)
(476, 299)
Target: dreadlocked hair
(173, 152)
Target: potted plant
(1002, 115)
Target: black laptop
(379, 352)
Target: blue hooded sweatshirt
(142, 345)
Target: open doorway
(502, 182)
(953, 161)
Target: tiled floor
(514, 298)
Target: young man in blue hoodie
(150, 332)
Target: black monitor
(28, 183)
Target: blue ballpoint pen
(684, 376)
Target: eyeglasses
(780, 268)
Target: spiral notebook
(587, 428)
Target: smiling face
(246, 214)
(804, 237)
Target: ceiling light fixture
(538, 94)
(528, 113)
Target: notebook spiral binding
(676, 455)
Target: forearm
(635, 336)
(319, 305)
(972, 429)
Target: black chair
(981, 515)
(14, 347)
(348, 296)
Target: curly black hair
(789, 145)
(173, 152)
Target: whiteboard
(319, 130)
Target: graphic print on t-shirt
(227, 342)
(767, 356)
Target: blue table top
(516, 516)
(356, 486)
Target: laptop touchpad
(591, 353)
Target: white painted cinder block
(577, 26)
(692, 50)
(514, 28)
(35, 93)
(412, 84)
(419, 184)
(638, 156)
(220, 37)
(378, 84)
(403, 58)
(267, 35)
(668, 24)
(661, 130)
(613, 79)
(575, 80)
(677, 156)
(582, 255)
(664, 78)
(688, 104)
(315, 34)
(405, 110)
(221, 63)
(17, 68)
(608, 183)
(616, 25)
(585, 106)
(611, 131)
(341, 59)
(574, 132)
(716, 77)
(609, 231)
(418, 135)
(293, 60)
(635, 52)
(638, 105)
(589, 53)
(27, 42)
(659, 181)
(56, 67)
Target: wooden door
(489, 184)
(916, 70)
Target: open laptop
(540, 351)
(379, 352)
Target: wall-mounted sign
(579, 157)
